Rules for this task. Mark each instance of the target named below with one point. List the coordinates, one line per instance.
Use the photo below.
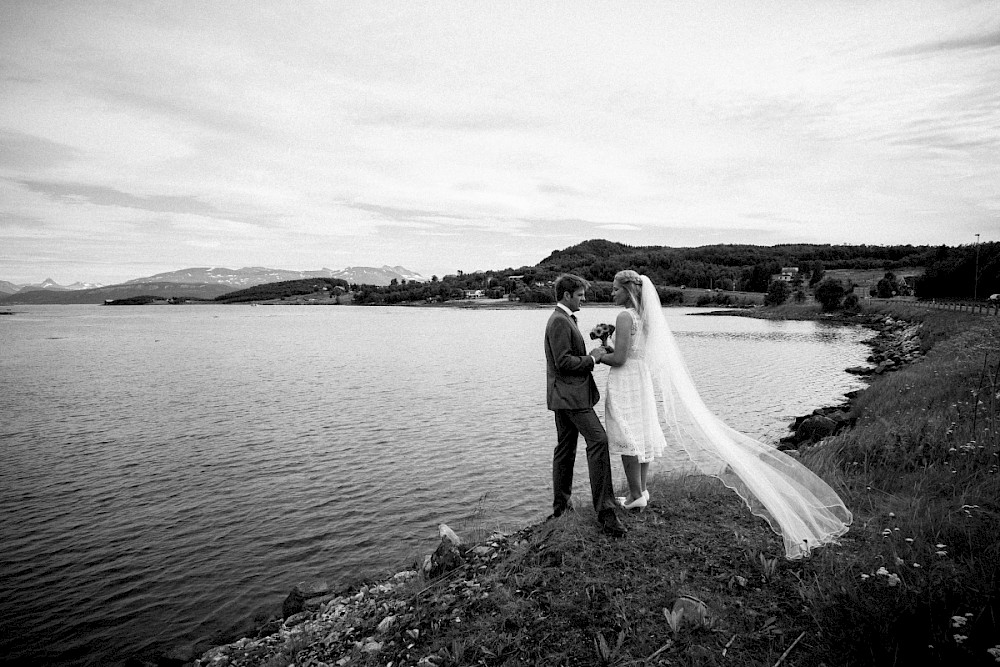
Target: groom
(572, 394)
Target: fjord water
(170, 472)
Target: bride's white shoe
(645, 494)
(638, 503)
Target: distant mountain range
(47, 284)
(201, 283)
(258, 275)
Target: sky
(141, 137)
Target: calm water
(169, 473)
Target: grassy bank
(914, 581)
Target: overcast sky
(140, 137)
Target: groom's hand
(597, 353)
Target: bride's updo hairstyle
(631, 282)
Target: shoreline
(327, 614)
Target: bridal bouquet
(602, 331)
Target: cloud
(103, 196)
(98, 195)
(558, 189)
(988, 40)
(394, 213)
(467, 121)
(30, 153)
(767, 216)
(615, 227)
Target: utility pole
(975, 284)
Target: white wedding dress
(631, 411)
(653, 409)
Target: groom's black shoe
(611, 524)
(558, 512)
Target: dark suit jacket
(568, 367)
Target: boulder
(447, 533)
(447, 556)
(293, 604)
(296, 600)
(815, 428)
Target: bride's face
(619, 294)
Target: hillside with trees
(744, 268)
(946, 272)
(285, 289)
(961, 273)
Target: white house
(788, 274)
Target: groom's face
(574, 299)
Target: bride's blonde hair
(631, 282)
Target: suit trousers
(570, 424)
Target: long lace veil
(794, 501)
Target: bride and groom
(653, 410)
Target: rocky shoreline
(323, 629)
(895, 345)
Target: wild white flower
(893, 579)
(941, 553)
(909, 540)
(899, 561)
(941, 546)
(882, 572)
(887, 532)
(995, 652)
(916, 565)
(960, 638)
(863, 576)
(958, 621)
(892, 515)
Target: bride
(653, 410)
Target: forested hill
(749, 265)
(284, 289)
(943, 271)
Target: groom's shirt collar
(567, 310)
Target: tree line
(963, 272)
(949, 272)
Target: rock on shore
(896, 344)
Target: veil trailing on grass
(794, 501)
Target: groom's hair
(568, 282)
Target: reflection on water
(169, 472)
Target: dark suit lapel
(578, 343)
